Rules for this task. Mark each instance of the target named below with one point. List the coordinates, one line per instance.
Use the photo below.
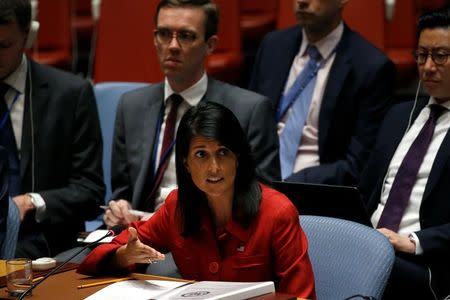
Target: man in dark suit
(349, 94)
(4, 201)
(185, 35)
(406, 184)
(51, 131)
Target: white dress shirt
(308, 151)
(191, 97)
(410, 221)
(17, 82)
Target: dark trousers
(408, 280)
(33, 248)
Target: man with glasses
(406, 184)
(143, 160)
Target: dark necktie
(166, 148)
(8, 141)
(406, 176)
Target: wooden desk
(64, 286)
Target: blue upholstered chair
(108, 95)
(347, 258)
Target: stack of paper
(163, 289)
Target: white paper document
(136, 290)
(203, 290)
(215, 290)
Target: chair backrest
(347, 258)
(401, 30)
(83, 22)
(259, 6)
(258, 17)
(367, 18)
(286, 13)
(124, 49)
(228, 30)
(107, 96)
(429, 5)
(83, 7)
(54, 40)
(226, 60)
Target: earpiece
(32, 34)
(33, 158)
(414, 106)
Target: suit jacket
(4, 203)
(61, 155)
(434, 210)
(356, 97)
(273, 247)
(132, 169)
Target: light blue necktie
(299, 97)
(8, 248)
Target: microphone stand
(110, 233)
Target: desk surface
(64, 286)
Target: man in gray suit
(143, 163)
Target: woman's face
(212, 167)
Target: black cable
(361, 296)
(110, 233)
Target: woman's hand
(135, 252)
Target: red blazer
(273, 247)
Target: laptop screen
(334, 201)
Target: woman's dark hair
(434, 19)
(212, 120)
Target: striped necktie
(299, 97)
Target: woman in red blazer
(221, 224)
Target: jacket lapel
(289, 46)
(439, 163)
(33, 113)
(214, 92)
(336, 78)
(148, 138)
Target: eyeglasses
(184, 37)
(438, 56)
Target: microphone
(115, 230)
